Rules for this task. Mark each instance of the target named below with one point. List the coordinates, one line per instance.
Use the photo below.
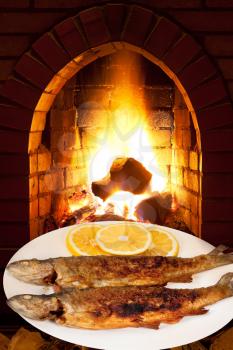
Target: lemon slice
(124, 239)
(163, 243)
(81, 240)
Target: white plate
(189, 329)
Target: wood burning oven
(117, 107)
(46, 43)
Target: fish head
(32, 271)
(36, 307)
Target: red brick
(217, 162)
(13, 141)
(230, 87)
(14, 164)
(6, 67)
(213, 117)
(51, 52)
(226, 66)
(21, 93)
(115, 17)
(208, 93)
(173, 3)
(34, 71)
(217, 210)
(217, 140)
(220, 3)
(182, 53)
(164, 34)
(191, 180)
(65, 3)
(14, 187)
(196, 72)
(14, 46)
(5, 255)
(94, 26)
(51, 182)
(217, 186)
(45, 205)
(193, 160)
(14, 4)
(205, 21)
(138, 25)
(181, 158)
(218, 233)
(181, 118)
(33, 163)
(219, 45)
(15, 117)
(44, 159)
(14, 210)
(28, 22)
(13, 234)
(33, 208)
(71, 38)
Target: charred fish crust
(174, 306)
(172, 262)
(102, 312)
(117, 307)
(132, 309)
(97, 313)
(193, 295)
(159, 261)
(51, 278)
(57, 313)
(89, 271)
(169, 296)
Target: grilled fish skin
(119, 307)
(100, 271)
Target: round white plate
(189, 329)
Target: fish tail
(219, 250)
(227, 281)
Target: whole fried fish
(118, 307)
(101, 271)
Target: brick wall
(79, 124)
(190, 40)
(185, 170)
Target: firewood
(126, 174)
(154, 209)
(49, 224)
(109, 217)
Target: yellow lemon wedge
(124, 239)
(81, 240)
(163, 243)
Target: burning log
(109, 217)
(126, 174)
(155, 209)
(79, 215)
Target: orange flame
(126, 134)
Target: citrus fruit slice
(124, 239)
(163, 243)
(81, 240)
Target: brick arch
(61, 53)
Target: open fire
(126, 138)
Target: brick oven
(85, 130)
(49, 51)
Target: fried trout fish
(118, 307)
(101, 271)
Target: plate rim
(97, 344)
